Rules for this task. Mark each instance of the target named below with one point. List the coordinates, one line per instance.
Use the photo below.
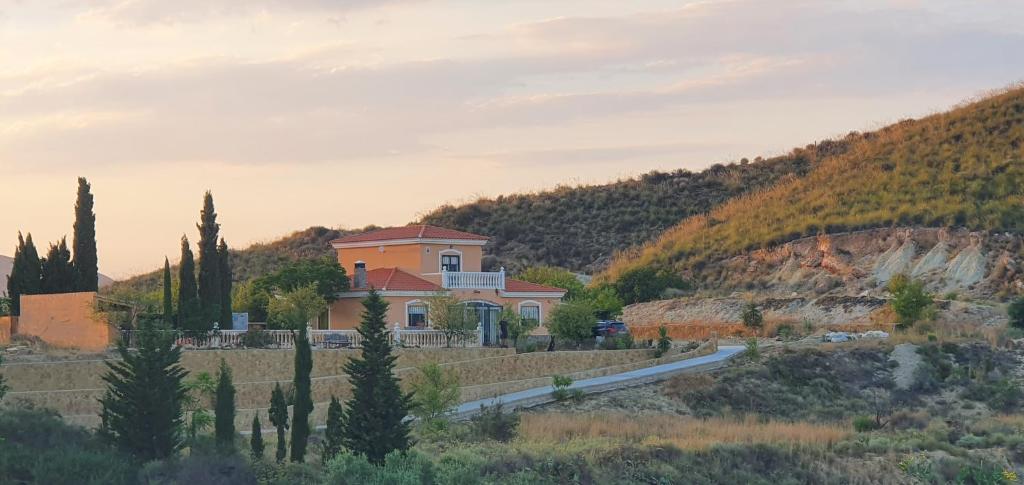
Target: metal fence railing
(285, 339)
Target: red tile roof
(420, 231)
(521, 286)
(394, 279)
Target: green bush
(1016, 313)
(572, 321)
(664, 343)
(399, 468)
(909, 300)
(491, 423)
(863, 424)
(562, 391)
(753, 351)
(255, 338)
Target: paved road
(541, 395)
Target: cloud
(147, 12)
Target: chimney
(359, 278)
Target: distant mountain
(961, 169)
(7, 262)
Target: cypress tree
(279, 418)
(14, 284)
(188, 302)
(209, 265)
(225, 284)
(303, 395)
(256, 445)
(224, 410)
(26, 273)
(168, 306)
(57, 273)
(335, 430)
(142, 408)
(84, 240)
(374, 417)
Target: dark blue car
(609, 328)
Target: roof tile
(420, 231)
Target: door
(488, 314)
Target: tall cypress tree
(334, 436)
(189, 317)
(142, 408)
(374, 416)
(168, 306)
(209, 264)
(303, 405)
(225, 284)
(15, 287)
(224, 410)
(57, 273)
(26, 273)
(84, 240)
(279, 418)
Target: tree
(142, 410)
(295, 309)
(556, 277)
(645, 284)
(1016, 313)
(375, 416)
(435, 393)
(209, 278)
(909, 300)
(326, 274)
(84, 239)
(572, 321)
(451, 316)
(664, 343)
(168, 306)
(752, 317)
(189, 317)
(56, 272)
(605, 301)
(333, 437)
(26, 273)
(224, 410)
(200, 391)
(250, 298)
(224, 260)
(518, 327)
(303, 405)
(256, 445)
(279, 418)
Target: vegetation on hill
(959, 168)
(581, 227)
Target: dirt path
(907, 357)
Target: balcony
(475, 280)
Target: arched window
(530, 310)
(450, 260)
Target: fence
(285, 339)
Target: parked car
(609, 328)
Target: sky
(345, 113)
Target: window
(450, 262)
(417, 315)
(530, 311)
(323, 321)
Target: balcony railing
(473, 280)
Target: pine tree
(142, 408)
(225, 284)
(303, 405)
(26, 273)
(168, 306)
(224, 410)
(374, 417)
(188, 301)
(335, 430)
(279, 418)
(209, 265)
(256, 445)
(57, 272)
(84, 240)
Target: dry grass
(682, 432)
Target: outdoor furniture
(337, 341)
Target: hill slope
(580, 228)
(962, 168)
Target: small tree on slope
(142, 406)
(374, 417)
(279, 418)
(224, 408)
(333, 437)
(256, 445)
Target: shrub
(562, 391)
(863, 424)
(435, 394)
(752, 317)
(753, 351)
(572, 321)
(664, 343)
(645, 283)
(909, 300)
(619, 342)
(255, 338)
(399, 468)
(1016, 313)
(491, 423)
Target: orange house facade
(407, 265)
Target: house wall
(66, 320)
(417, 259)
(345, 312)
(6, 324)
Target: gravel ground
(906, 355)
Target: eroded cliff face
(975, 264)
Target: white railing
(285, 339)
(473, 279)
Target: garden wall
(6, 326)
(67, 320)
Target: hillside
(961, 169)
(258, 259)
(581, 227)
